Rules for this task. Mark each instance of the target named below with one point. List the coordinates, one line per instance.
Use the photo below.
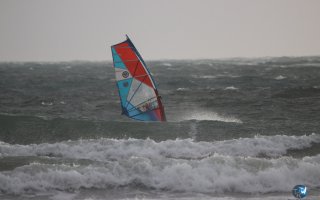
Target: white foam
(215, 174)
(231, 88)
(114, 149)
(183, 89)
(167, 64)
(178, 165)
(208, 77)
(280, 77)
(208, 116)
(46, 103)
(215, 76)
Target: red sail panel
(160, 110)
(132, 62)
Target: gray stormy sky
(50, 30)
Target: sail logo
(125, 74)
(299, 191)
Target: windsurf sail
(138, 93)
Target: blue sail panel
(124, 87)
(117, 60)
(132, 110)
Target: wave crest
(176, 165)
(215, 174)
(105, 149)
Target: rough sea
(237, 129)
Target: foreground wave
(174, 165)
(215, 174)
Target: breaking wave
(231, 88)
(215, 174)
(209, 116)
(280, 77)
(109, 149)
(175, 165)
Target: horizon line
(162, 59)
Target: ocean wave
(231, 88)
(215, 76)
(207, 76)
(166, 64)
(186, 149)
(183, 89)
(280, 77)
(215, 174)
(208, 116)
(46, 103)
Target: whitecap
(208, 77)
(215, 174)
(46, 103)
(177, 165)
(210, 116)
(231, 88)
(167, 64)
(106, 149)
(280, 77)
(183, 89)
